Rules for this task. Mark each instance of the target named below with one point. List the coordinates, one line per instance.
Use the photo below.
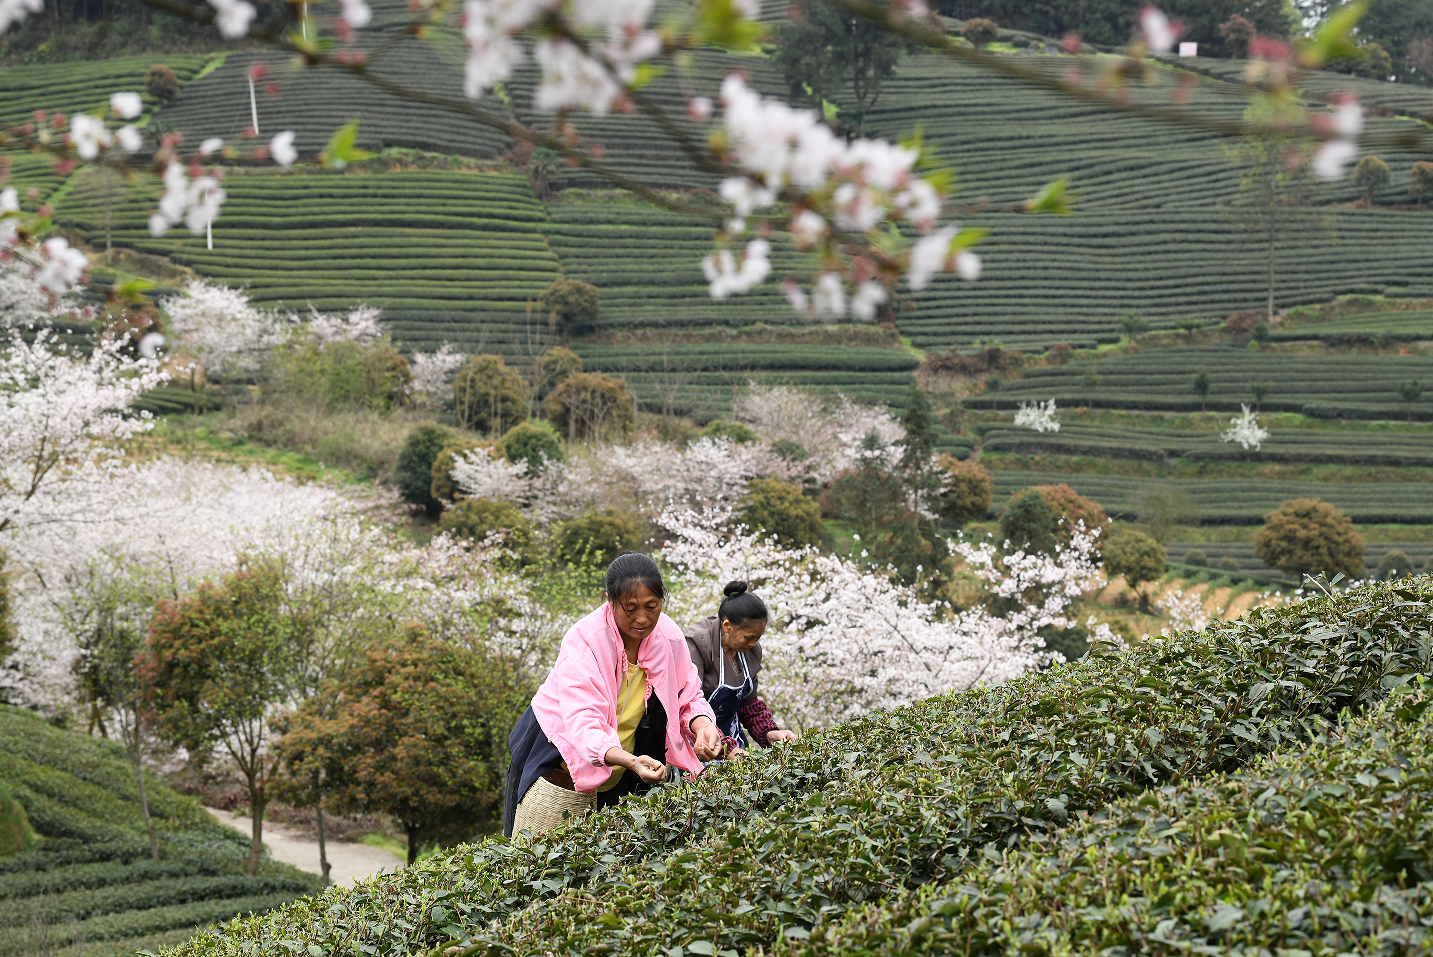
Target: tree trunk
(256, 840)
(1271, 278)
(323, 864)
(412, 830)
(137, 760)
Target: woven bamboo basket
(546, 805)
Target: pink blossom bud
(699, 108)
(257, 71)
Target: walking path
(347, 860)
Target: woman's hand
(775, 737)
(709, 742)
(649, 769)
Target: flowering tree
(221, 328)
(1037, 416)
(845, 640)
(1245, 429)
(432, 371)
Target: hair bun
(733, 589)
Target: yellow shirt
(631, 705)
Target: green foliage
(416, 729)
(1162, 508)
(473, 519)
(441, 487)
(573, 306)
(596, 538)
(1395, 563)
(414, 472)
(1197, 558)
(1372, 61)
(1230, 564)
(487, 395)
(1305, 536)
(590, 406)
(969, 491)
(953, 775)
(532, 442)
(1339, 822)
(16, 834)
(981, 31)
(825, 51)
(7, 619)
(341, 375)
(1136, 556)
(1420, 180)
(781, 509)
(1112, 23)
(1028, 523)
(1371, 174)
(737, 432)
(161, 83)
(551, 368)
(216, 670)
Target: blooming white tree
(431, 384)
(222, 329)
(24, 301)
(60, 413)
(1245, 429)
(844, 640)
(359, 324)
(1038, 416)
(832, 435)
(1186, 612)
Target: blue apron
(726, 699)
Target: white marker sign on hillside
(1189, 49)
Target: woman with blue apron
(726, 649)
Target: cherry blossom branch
(897, 22)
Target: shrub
(969, 490)
(552, 367)
(1197, 558)
(981, 31)
(487, 395)
(1306, 536)
(531, 442)
(598, 537)
(1371, 174)
(414, 472)
(790, 450)
(473, 518)
(1237, 32)
(1136, 556)
(1029, 523)
(1230, 564)
(573, 306)
(1162, 508)
(590, 406)
(1395, 563)
(342, 375)
(161, 83)
(16, 835)
(1420, 180)
(1073, 508)
(441, 486)
(781, 509)
(7, 616)
(832, 825)
(737, 432)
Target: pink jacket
(577, 704)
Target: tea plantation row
(85, 86)
(1397, 448)
(1330, 386)
(90, 881)
(1239, 501)
(784, 846)
(1370, 328)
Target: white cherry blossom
(234, 17)
(1037, 416)
(281, 148)
(126, 105)
(61, 266)
(1245, 429)
(89, 135)
(129, 138)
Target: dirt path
(347, 861)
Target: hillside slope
(90, 881)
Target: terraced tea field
(448, 256)
(1328, 386)
(1413, 447)
(1362, 328)
(1224, 556)
(1240, 501)
(69, 87)
(89, 886)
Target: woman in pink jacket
(621, 711)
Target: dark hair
(630, 569)
(740, 605)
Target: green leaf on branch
(1054, 198)
(1334, 41)
(133, 289)
(645, 74)
(721, 24)
(966, 238)
(342, 149)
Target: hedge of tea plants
(1362, 329)
(1237, 501)
(84, 86)
(1394, 446)
(1325, 849)
(780, 847)
(1324, 386)
(90, 882)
